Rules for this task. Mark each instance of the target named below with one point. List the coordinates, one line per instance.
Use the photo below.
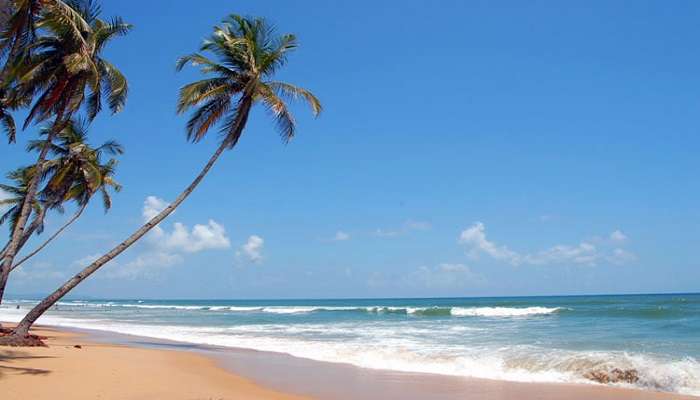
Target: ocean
(643, 341)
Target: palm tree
(18, 194)
(76, 174)
(19, 21)
(64, 67)
(248, 53)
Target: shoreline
(224, 372)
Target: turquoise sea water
(532, 339)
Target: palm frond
(197, 92)
(206, 116)
(281, 114)
(8, 126)
(292, 92)
(116, 88)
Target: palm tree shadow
(9, 356)
(25, 371)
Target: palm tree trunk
(22, 329)
(52, 237)
(38, 220)
(18, 232)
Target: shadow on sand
(8, 356)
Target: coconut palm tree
(18, 194)
(18, 19)
(64, 70)
(248, 54)
(76, 174)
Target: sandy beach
(99, 369)
(106, 371)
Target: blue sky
(465, 149)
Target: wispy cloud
(547, 217)
(384, 233)
(584, 253)
(439, 277)
(341, 236)
(407, 227)
(146, 265)
(443, 276)
(618, 236)
(252, 249)
(38, 271)
(413, 225)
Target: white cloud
(201, 237)
(618, 236)
(152, 206)
(252, 249)
(181, 239)
(584, 253)
(341, 236)
(475, 238)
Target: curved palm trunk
(38, 220)
(18, 232)
(27, 234)
(22, 329)
(23, 240)
(32, 228)
(52, 237)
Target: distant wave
(407, 310)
